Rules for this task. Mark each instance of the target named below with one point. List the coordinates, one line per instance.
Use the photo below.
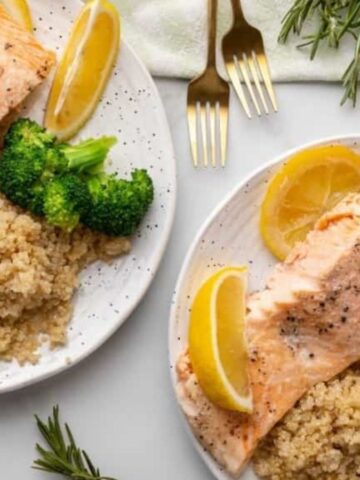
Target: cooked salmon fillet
(24, 64)
(304, 328)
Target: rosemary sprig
(63, 457)
(296, 17)
(351, 77)
(336, 18)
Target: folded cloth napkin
(170, 36)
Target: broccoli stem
(94, 182)
(87, 154)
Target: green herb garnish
(337, 18)
(63, 457)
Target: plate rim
(216, 470)
(157, 258)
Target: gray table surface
(120, 401)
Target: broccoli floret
(36, 199)
(31, 158)
(18, 174)
(66, 197)
(118, 206)
(25, 135)
(30, 132)
(66, 183)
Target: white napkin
(170, 36)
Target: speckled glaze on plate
(230, 236)
(132, 110)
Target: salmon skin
(24, 64)
(304, 328)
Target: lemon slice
(310, 183)
(84, 69)
(217, 343)
(19, 11)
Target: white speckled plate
(132, 110)
(230, 236)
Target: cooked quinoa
(39, 266)
(319, 438)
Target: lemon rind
(208, 369)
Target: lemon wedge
(19, 11)
(84, 69)
(217, 344)
(309, 183)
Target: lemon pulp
(307, 185)
(84, 69)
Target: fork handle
(212, 23)
(239, 17)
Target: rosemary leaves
(337, 18)
(63, 456)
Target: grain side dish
(319, 439)
(39, 266)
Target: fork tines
(208, 132)
(252, 71)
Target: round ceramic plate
(230, 236)
(130, 109)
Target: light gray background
(119, 402)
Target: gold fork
(245, 61)
(208, 105)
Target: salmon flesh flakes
(24, 64)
